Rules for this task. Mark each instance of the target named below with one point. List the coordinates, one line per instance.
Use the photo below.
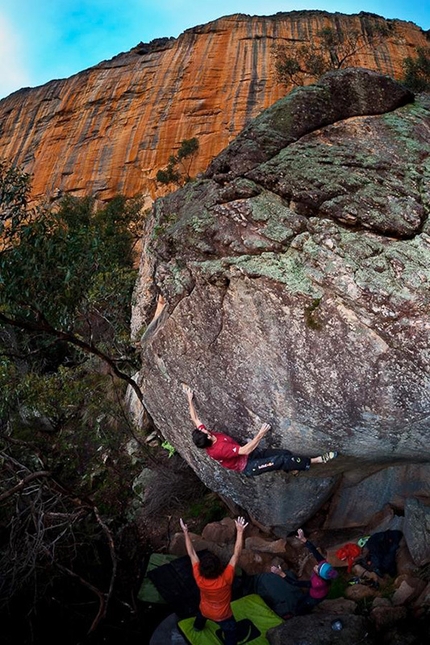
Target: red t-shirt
(215, 594)
(226, 451)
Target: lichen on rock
(297, 278)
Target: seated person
(379, 552)
(277, 591)
(285, 596)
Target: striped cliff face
(110, 128)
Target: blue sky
(41, 40)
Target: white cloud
(13, 73)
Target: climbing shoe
(328, 456)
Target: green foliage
(66, 280)
(14, 190)
(73, 420)
(187, 148)
(178, 169)
(28, 397)
(333, 50)
(417, 71)
(63, 440)
(209, 508)
(169, 175)
(170, 449)
(69, 272)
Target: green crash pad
(148, 592)
(253, 616)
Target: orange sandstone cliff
(110, 128)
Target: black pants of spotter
(228, 627)
(264, 461)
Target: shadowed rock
(316, 629)
(417, 530)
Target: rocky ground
(371, 608)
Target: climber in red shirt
(248, 459)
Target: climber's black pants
(263, 461)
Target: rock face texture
(317, 629)
(398, 486)
(296, 275)
(110, 128)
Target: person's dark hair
(201, 439)
(210, 566)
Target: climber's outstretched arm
(193, 413)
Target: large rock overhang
(296, 274)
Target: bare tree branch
(111, 544)
(42, 325)
(23, 483)
(100, 595)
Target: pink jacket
(319, 587)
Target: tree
(66, 280)
(14, 191)
(333, 50)
(67, 275)
(417, 71)
(67, 465)
(178, 169)
(64, 467)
